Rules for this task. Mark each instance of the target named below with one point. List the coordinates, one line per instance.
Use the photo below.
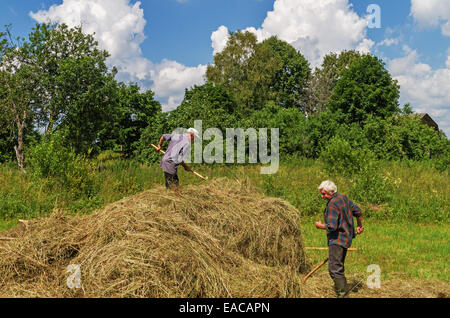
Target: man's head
(327, 188)
(193, 133)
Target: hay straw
(220, 239)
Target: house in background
(427, 120)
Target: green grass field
(399, 248)
(405, 235)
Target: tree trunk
(19, 150)
(49, 129)
(19, 147)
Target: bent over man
(338, 216)
(175, 153)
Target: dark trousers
(336, 254)
(171, 179)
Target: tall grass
(408, 233)
(417, 192)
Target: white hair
(328, 186)
(193, 131)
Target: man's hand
(320, 225)
(359, 229)
(161, 140)
(186, 167)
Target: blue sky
(165, 45)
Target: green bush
(339, 157)
(370, 185)
(52, 160)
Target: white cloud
(431, 13)
(219, 39)
(315, 28)
(119, 28)
(170, 79)
(388, 42)
(426, 89)
(365, 46)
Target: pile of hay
(219, 239)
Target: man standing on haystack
(175, 153)
(339, 225)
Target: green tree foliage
(57, 79)
(320, 128)
(151, 135)
(340, 157)
(323, 80)
(53, 160)
(256, 73)
(290, 79)
(18, 80)
(212, 104)
(135, 110)
(404, 137)
(68, 64)
(75, 86)
(230, 68)
(365, 88)
(6, 142)
(290, 122)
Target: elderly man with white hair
(175, 153)
(338, 216)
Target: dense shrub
(51, 159)
(339, 157)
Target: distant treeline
(57, 94)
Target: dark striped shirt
(339, 224)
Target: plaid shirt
(339, 224)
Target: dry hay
(220, 239)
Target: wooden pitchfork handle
(314, 270)
(194, 172)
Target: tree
(323, 80)
(230, 68)
(135, 110)
(256, 73)
(6, 142)
(290, 122)
(76, 90)
(290, 80)
(67, 63)
(212, 104)
(17, 95)
(150, 135)
(404, 136)
(366, 87)
(58, 80)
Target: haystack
(223, 238)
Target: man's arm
(356, 212)
(185, 166)
(331, 222)
(359, 228)
(161, 140)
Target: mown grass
(408, 234)
(399, 248)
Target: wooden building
(427, 120)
